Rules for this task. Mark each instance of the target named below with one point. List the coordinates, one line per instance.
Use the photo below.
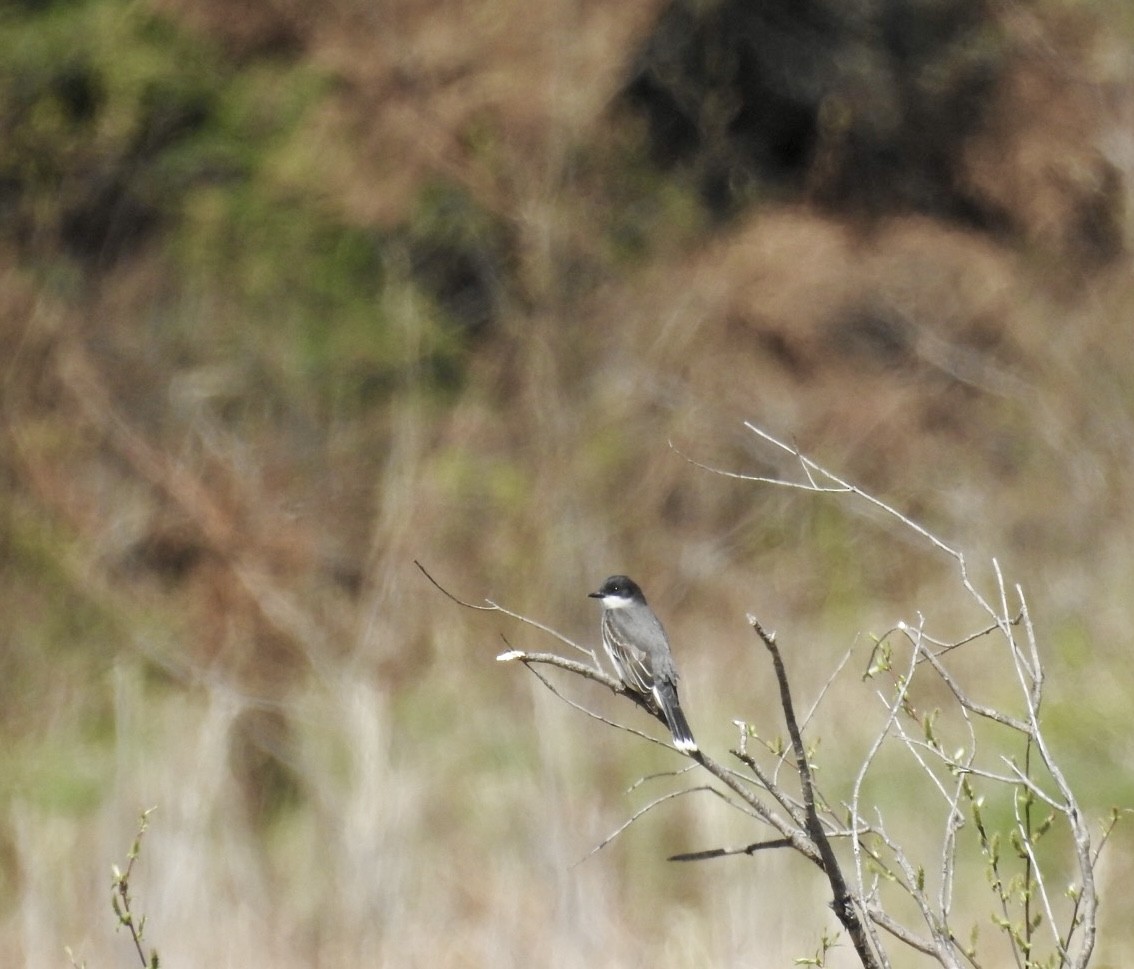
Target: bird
(638, 647)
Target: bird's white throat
(616, 602)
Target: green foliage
(97, 99)
(827, 942)
(115, 129)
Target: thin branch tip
(449, 595)
(768, 637)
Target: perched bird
(639, 649)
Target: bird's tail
(666, 696)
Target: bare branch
(798, 837)
(641, 811)
(980, 709)
(590, 673)
(839, 667)
(843, 901)
(572, 666)
(726, 852)
(845, 486)
(789, 804)
(660, 775)
(490, 606)
(965, 640)
(885, 921)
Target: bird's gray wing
(637, 638)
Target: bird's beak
(594, 595)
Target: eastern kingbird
(639, 649)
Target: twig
(860, 778)
(643, 810)
(646, 778)
(727, 852)
(528, 659)
(843, 901)
(490, 606)
(120, 896)
(798, 815)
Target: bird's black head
(618, 590)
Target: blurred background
(293, 293)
